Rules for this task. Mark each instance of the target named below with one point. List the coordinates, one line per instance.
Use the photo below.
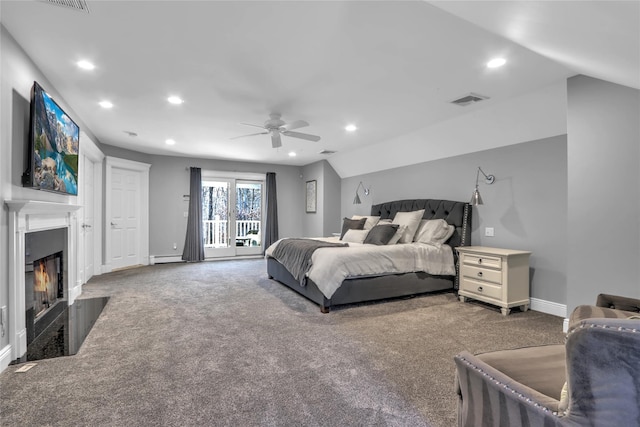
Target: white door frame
(234, 177)
(143, 168)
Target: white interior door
(88, 220)
(91, 215)
(126, 213)
(124, 224)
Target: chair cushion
(542, 368)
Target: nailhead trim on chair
(591, 325)
(520, 395)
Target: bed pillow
(371, 221)
(399, 232)
(355, 236)
(352, 224)
(381, 234)
(434, 231)
(411, 220)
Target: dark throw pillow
(352, 224)
(381, 234)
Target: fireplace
(45, 231)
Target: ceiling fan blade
(276, 141)
(306, 136)
(251, 134)
(294, 125)
(249, 124)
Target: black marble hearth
(66, 333)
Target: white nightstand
(495, 276)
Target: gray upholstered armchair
(600, 363)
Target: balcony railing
(248, 233)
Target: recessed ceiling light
(175, 100)
(351, 128)
(292, 154)
(496, 62)
(85, 65)
(105, 104)
(170, 142)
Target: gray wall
(169, 182)
(18, 74)
(312, 222)
(322, 222)
(332, 192)
(604, 190)
(526, 205)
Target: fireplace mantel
(26, 216)
(26, 207)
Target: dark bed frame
(355, 290)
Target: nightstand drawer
(480, 273)
(481, 260)
(482, 288)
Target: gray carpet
(219, 344)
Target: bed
(355, 289)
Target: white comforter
(330, 266)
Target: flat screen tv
(52, 158)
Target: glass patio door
(248, 217)
(232, 217)
(216, 202)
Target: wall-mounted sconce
(488, 179)
(356, 200)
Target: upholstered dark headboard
(457, 214)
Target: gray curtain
(194, 242)
(271, 223)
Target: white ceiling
(390, 67)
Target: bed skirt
(363, 289)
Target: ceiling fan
(276, 127)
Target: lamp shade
(476, 199)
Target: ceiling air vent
(70, 4)
(327, 152)
(469, 99)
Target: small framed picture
(311, 196)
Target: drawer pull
(479, 273)
(479, 288)
(479, 260)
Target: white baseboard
(548, 307)
(155, 259)
(5, 357)
(74, 293)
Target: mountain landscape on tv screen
(55, 150)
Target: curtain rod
(188, 168)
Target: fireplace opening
(48, 284)
(44, 293)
